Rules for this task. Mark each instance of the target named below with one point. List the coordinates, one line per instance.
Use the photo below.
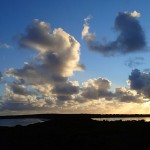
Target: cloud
(67, 89)
(140, 81)
(1, 76)
(96, 89)
(135, 14)
(127, 95)
(147, 70)
(5, 46)
(100, 89)
(36, 74)
(134, 62)
(16, 93)
(18, 88)
(43, 89)
(47, 77)
(131, 36)
(58, 54)
(44, 83)
(89, 37)
(19, 99)
(69, 97)
(13, 105)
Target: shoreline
(77, 133)
(50, 116)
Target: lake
(146, 119)
(27, 121)
(23, 121)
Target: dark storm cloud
(131, 36)
(140, 81)
(134, 62)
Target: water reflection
(146, 119)
(23, 122)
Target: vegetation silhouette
(74, 132)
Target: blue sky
(69, 15)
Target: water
(23, 121)
(146, 119)
(27, 121)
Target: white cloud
(96, 89)
(5, 46)
(135, 14)
(47, 77)
(44, 84)
(58, 54)
(85, 32)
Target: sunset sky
(74, 56)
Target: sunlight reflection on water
(146, 119)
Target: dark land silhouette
(76, 132)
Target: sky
(89, 56)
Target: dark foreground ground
(77, 133)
